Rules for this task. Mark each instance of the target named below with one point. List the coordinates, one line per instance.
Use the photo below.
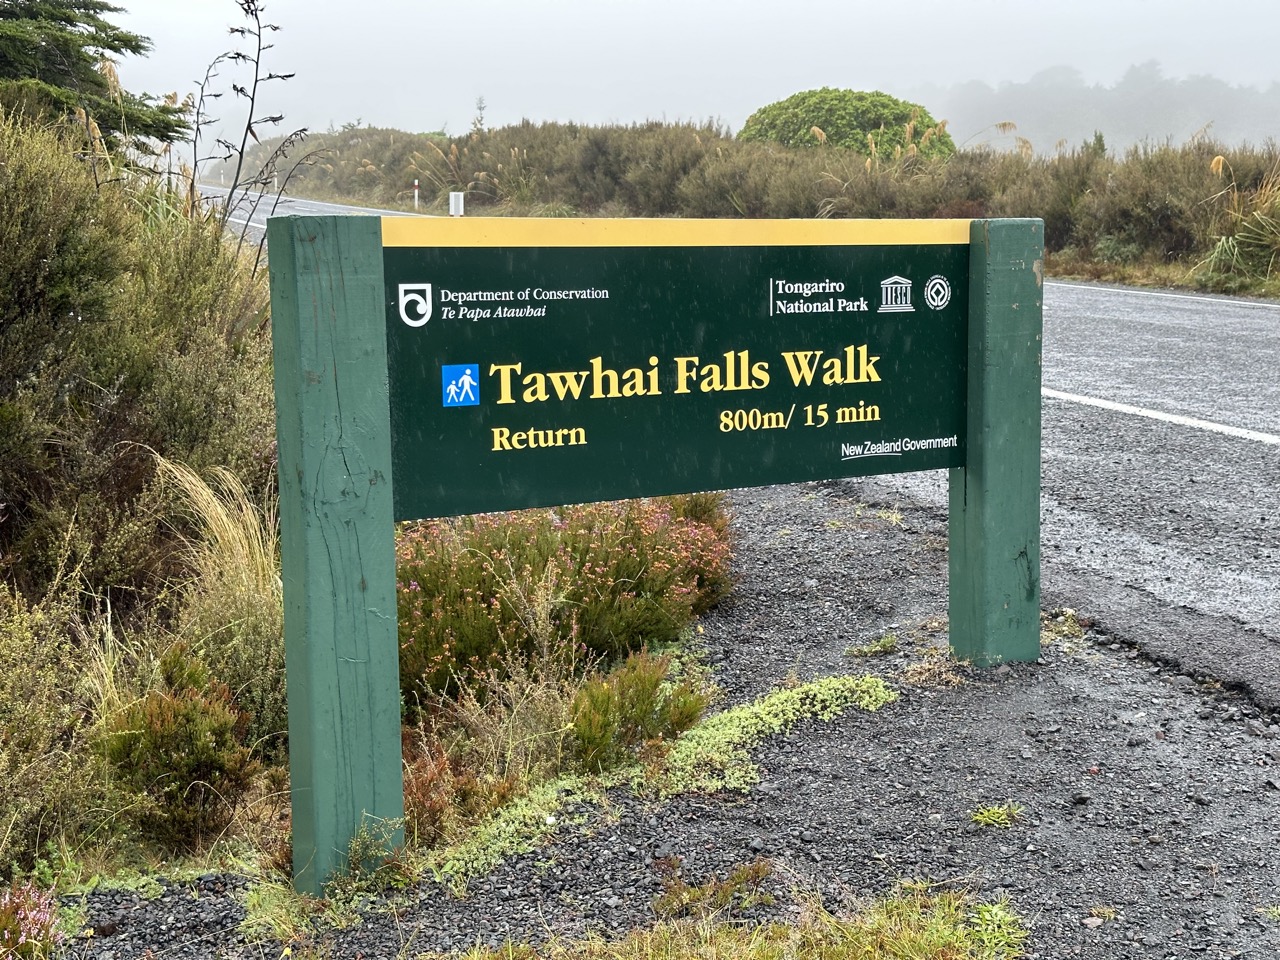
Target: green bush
(44, 763)
(177, 749)
(869, 122)
(124, 322)
(618, 713)
(609, 578)
(1152, 203)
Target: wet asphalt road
(1147, 521)
(1165, 532)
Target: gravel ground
(1150, 797)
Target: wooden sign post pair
(436, 367)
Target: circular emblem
(937, 292)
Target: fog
(1131, 68)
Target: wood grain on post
(337, 535)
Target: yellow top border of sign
(592, 232)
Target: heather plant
(604, 578)
(177, 750)
(28, 922)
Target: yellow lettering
(868, 366)
(633, 383)
(535, 388)
(504, 372)
(802, 365)
(568, 383)
(600, 375)
(686, 370)
(504, 438)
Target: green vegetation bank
(1201, 214)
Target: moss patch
(714, 754)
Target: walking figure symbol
(461, 388)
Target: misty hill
(1057, 105)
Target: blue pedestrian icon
(461, 388)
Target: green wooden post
(994, 528)
(337, 534)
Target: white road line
(1268, 438)
(1169, 296)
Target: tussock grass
(232, 609)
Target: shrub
(28, 922)
(443, 796)
(506, 728)
(123, 322)
(617, 714)
(177, 749)
(610, 577)
(871, 122)
(1152, 203)
(44, 766)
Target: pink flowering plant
(605, 579)
(28, 922)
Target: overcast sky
(421, 66)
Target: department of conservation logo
(937, 292)
(895, 296)
(461, 388)
(415, 303)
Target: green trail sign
(598, 360)
(433, 367)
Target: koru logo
(415, 303)
(937, 292)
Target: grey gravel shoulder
(1149, 797)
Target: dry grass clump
(43, 764)
(232, 607)
(935, 668)
(527, 722)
